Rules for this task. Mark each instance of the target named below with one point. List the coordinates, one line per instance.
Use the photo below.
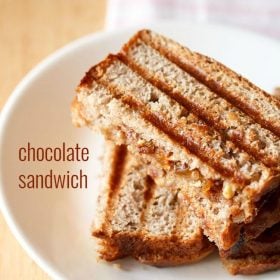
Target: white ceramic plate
(54, 225)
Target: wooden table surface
(29, 31)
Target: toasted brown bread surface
(144, 220)
(122, 114)
(144, 99)
(121, 240)
(252, 264)
(262, 107)
(267, 243)
(255, 256)
(174, 120)
(269, 215)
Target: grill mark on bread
(150, 187)
(204, 69)
(147, 244)
(148, 194)
(95, 98)
(222, 155)
(231, 122)
(131, 136)
(247, 197)
(188, 143)
(118, 165)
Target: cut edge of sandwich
(147, 228)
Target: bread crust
(267, 243)
(252, 265)
(140, 242)
(204, 69)
(153, 250)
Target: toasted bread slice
(255, 256)
(149, 56)
(143, 99)
(267, 216)
(267, 243)
(256, 103)
(150, 222)
(173, 119)
(252, 264)
(142, 218)
(102, 110)
(248, 255)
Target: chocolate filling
(263, 234)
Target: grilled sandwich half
(196, 118)
(138, 218)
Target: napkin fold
(262, 16)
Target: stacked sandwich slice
(196, 125)
(140, 218)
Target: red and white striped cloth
(258, 15)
